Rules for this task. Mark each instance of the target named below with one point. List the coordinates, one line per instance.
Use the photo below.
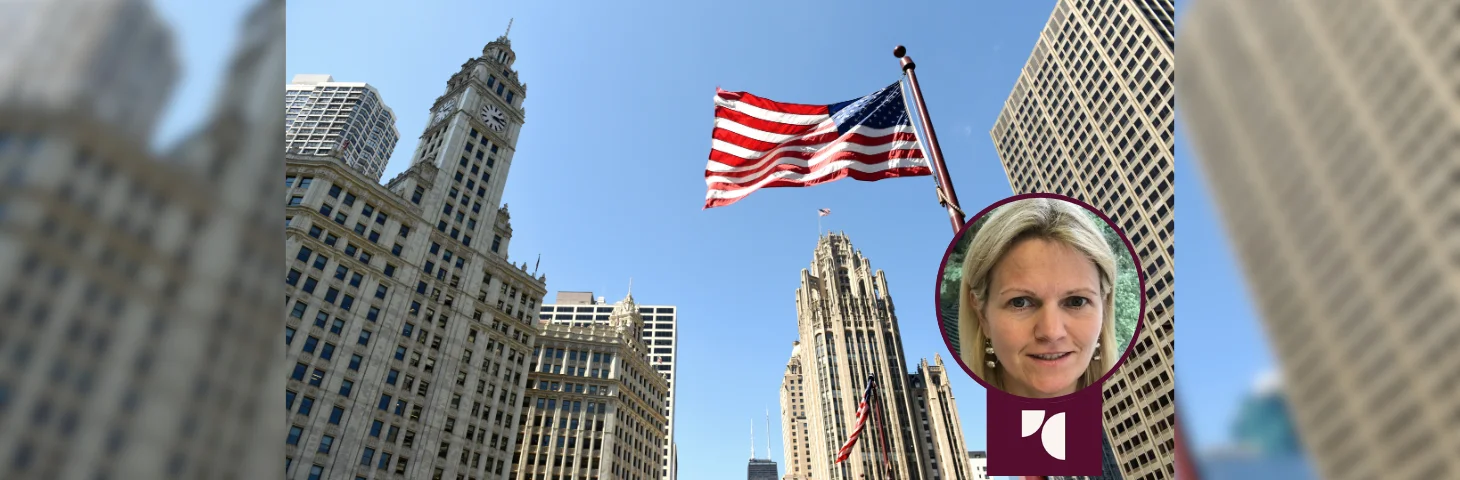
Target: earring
(989, 349)
(1097, 350)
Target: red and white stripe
(759, 143)
(863, 411)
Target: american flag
(759, 143)
(864, 410)
(823, 212)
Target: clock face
(445, 109)
(494, 117)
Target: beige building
(1326, 133)
(408, 329)
(134, 285)
(594, 408)
(848, 331)
(1092, 117)
(661, 331)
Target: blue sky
(607, 182)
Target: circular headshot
(1039, 296)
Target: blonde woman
(1035, 315)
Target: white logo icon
(1053, 437)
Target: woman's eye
(1077, 302)
(1021, 302)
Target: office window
(299, 370)
(304, 254)
(334, 191)
(391, 377)
(385, 402)
(405, 231)
(289, 180)
(330, 239)
(368, 455)
(288, 335)
(295, 200)
(292, 277)
(316, 378)
(349, 199)
(373, 314)
(327, 352)
(348, 302)
(309, 284)
(400, 353)
(355, 361)
(289, 399)
(375, 428)
(380, 291)
(340, 270)
(364, 337)
(315, 472)
(320, 261)
(390, 269)
(305, 182)
(384, 461)
(294, 433)
(336, 414)
(496, 243)
(325, 444)
(345, 388)
(337, 327)
(306, 405)
(355, 279)
(331, 294)
(394, 250)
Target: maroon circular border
(1140, 275)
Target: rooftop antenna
(752, 439)
(768, 434)
(509, 27)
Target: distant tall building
(1327, 135)
(594, 408)
(1265, 445)
(848, 331)
(347, 120)
(978, 465)
(762, 469)
(660, 332)
(112, 61)
(409, 331)
(135, 286)
(1092, 117)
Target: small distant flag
(759, 143)
(863, 411)
(823, 212)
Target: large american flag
(759, 143)
(864, 410)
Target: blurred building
(661, 331)
(408, 329)
(1327, 134)
(132, 283)
(346, 120)
(847, 332)
(111, 61)
(1092, 117)
(762, 469)
(595, 404)
(1266, 446)
(978, 465)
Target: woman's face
(1043, 317)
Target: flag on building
(823, 212)
(864, 410)
(759, 143)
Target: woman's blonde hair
(1008, 225)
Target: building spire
(509, 27)
(768, 434)
(752, 439)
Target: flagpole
(946, 196)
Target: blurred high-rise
(347, 120)
(594, 406)
(847, 332)
(409, 331)
(1092, 117)
(1327, 133)
(132, 283)
(660, 332)
(112, 61)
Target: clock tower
(461, 164)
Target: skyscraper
(347, 120)
(109, 60)
(409, 333)
(761, 469)
(1326, 133)
(978, 465)
(1092, 117)
(135, 286)
(847, 332)
(594, 407)
(660, 332)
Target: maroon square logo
(1060, 436)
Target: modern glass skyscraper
(1327, 132)
(1092, 117)
(346, 120)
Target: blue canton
(882, 109)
